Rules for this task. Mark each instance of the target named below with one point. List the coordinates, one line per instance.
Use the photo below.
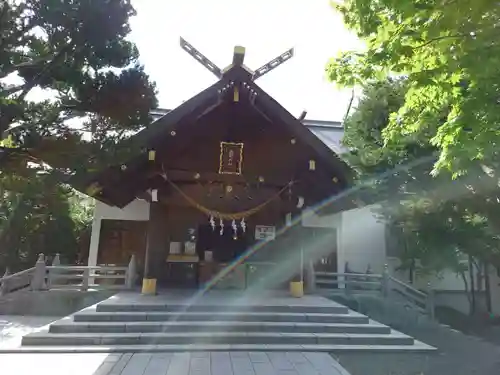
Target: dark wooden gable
(233, 109)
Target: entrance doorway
(225, 247)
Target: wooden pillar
(297, 283)
(155, 243)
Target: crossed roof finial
(238, 58)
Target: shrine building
(229, 183)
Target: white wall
(495, 290)
(362, 240)
(360, 237)
(135, 210)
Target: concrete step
(416, 347)
(92, 316)
(262, 338)
(162, 307)
(137, 323)
(215, 326)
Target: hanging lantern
(212, 222)
(243, 225)
(221, 227)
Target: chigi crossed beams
(238, 57)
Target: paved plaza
(194, 363)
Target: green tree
(71, 88)
(436, 222)
(448, 51)
(38, 215)
(75, 58)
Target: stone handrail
(348, 280)
(64, 277)
(373, 276)
(57, 276)
(17, 281)
(385, 283)
(419, 299)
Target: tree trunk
(467, 292)
(487, 287)
(472, 287)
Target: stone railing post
(4, 288)
(51, 280)
(342, 279)
(385, 281)
(39, 274)
(131, 274)
(85, 279)
(310, 277)
(430, 302)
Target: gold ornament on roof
(312, 165)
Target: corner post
(131, 274)
(385, 281)
(38, 281)
(310, 277)
(347, 278)
(430, 303)
(85, 279)
(51, 280)
(4, 288)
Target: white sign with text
(265, 232)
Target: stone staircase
(138, 323)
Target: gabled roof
(238, 76)
(329, 132)
(235, 78)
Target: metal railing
(57, 276)
(385, 284)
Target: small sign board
(175, 248)
(265, 232)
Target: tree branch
(45, 70)
(440, 38)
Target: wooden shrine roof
(103, 186)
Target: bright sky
(266, 28)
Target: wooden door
(119, 239)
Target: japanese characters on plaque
(231, 158)
(265, 232)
